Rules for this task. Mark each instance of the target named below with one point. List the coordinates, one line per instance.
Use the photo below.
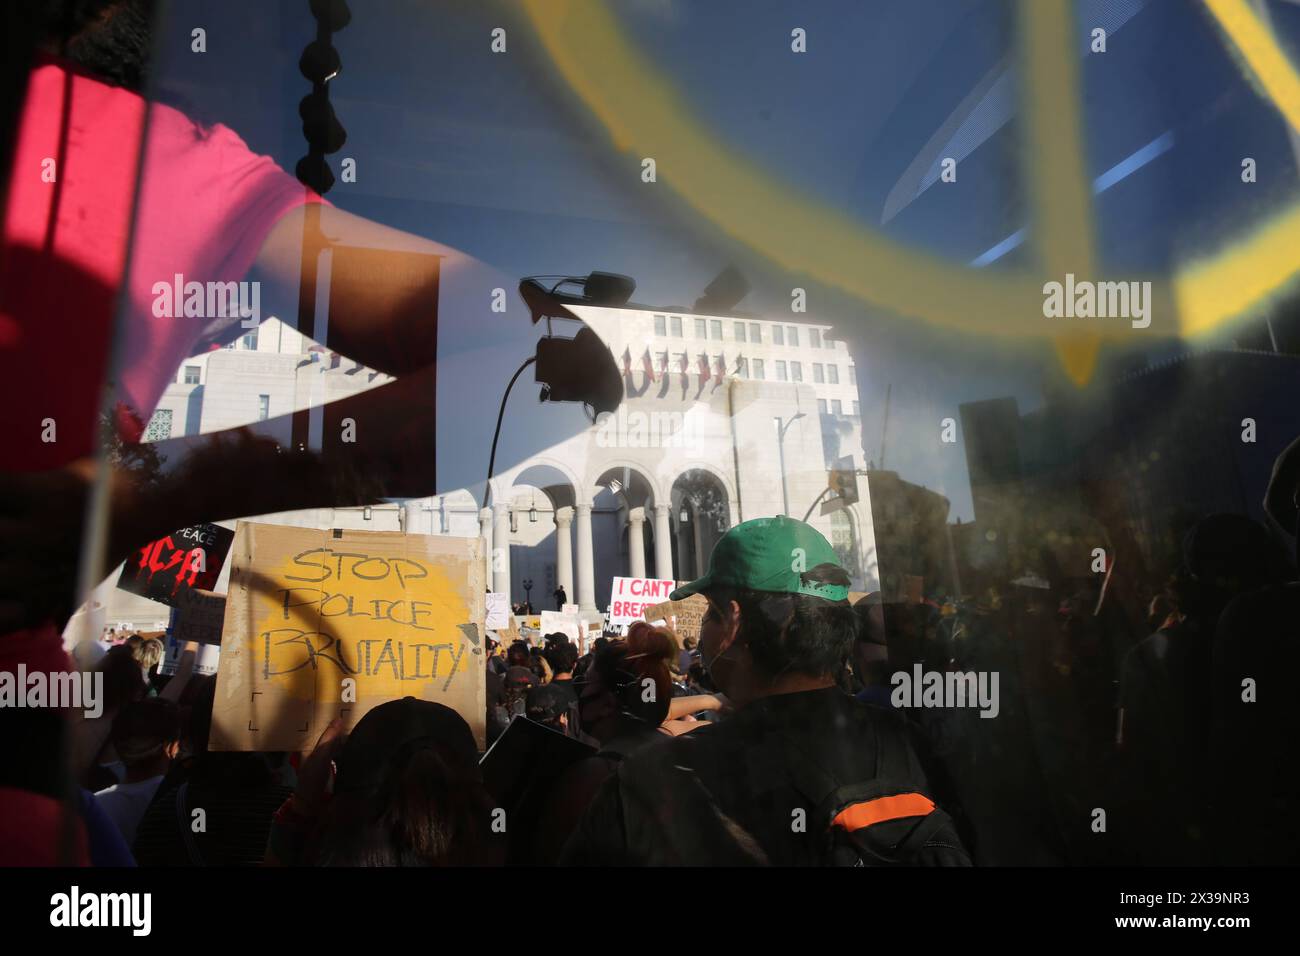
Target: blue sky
(490, 153)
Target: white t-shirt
(125, 804)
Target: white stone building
(725, 418)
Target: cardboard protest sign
(509, 634)
(682, 616)
(165, 569)
(325, 624)
(198, 616)
(498, 610)
(629, 597)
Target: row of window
(784, 371)
(190, 373)
(750, 332)
(836, 407)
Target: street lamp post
(528, 590)
(780, 449)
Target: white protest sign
(498, 610)
(553, 621)
(629, 598)
(206, 661)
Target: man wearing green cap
(801, 766)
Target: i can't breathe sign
(629, 598)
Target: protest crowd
(777, 738)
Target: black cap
(385, 738)
(519, 676)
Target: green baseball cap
(769, 554)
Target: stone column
(501, 545)
(586, 562)
(485, 532)
(412, 511)
(636, 542)
(683, 548)
(663, 543)
(564, 551)
(700, 561)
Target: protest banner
(570, 609)
(498, 610)
(629, 597)
(165, 569)
(325, 624)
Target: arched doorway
(541, 500)
(623, 527)
(701, 514)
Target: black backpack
(879, 822)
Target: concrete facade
(713, 406)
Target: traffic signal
(580, 369)
(844, 481)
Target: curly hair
(796, 633)
(110, 38)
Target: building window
(819, 373)
(792, 335)
(740, 331)
(778, 335)
(661, 325)
(701, 329)
(715, 329)
(755, 332)
(677, 326)
(263, 407)
(815, 338)
(160, 425)
(857, 408)
(796, 371)
(821, 405)
(191, 375)
(780, 371)
(742, 367)
(250, 341)
(853, 375)
(833, 374)
(837, 408)
(758, 369)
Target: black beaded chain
(320, 63)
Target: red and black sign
(165, 569)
